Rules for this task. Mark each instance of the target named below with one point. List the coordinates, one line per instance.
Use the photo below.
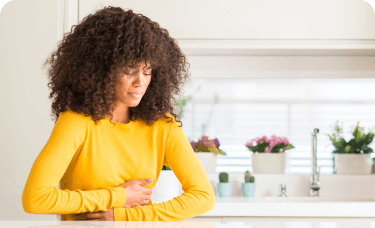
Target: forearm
(185, 206)
(50, 200)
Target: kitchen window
(249, 108)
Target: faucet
(282, 190)
(314, 177)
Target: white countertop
(291, 207)
(185, 224)
(242, 206)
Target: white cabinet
(255, 19)
(256, 27)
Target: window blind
(248, 109)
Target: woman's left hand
(98, 216)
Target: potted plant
(248, 188)
(224, 187)
(373, 166)
(207, 151)
(167, 185)
(352, 157)
(269, 154)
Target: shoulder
(71, 125)
(71, 117)
(166, 122)
(171, 121)
(71, 114)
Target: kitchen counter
(242, 206)
(290, 207)
(185, 224)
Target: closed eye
(134, 74)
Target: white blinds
(285, 107)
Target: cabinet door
(256, 19)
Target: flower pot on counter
(274, 163)
(224, 189)
(353, 164)
(248, 189)
(208, 161)
(167, 185)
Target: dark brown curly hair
(84, 69)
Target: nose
(139, 78)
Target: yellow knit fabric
(91, 161)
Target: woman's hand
(136, 194)
(98, 216)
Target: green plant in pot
(269, 154)
(248, 188)
(207, 151)
(353, 156)
(224, 187)
(206, 145)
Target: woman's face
(135, 80)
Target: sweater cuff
(119, 214)
(119, 197)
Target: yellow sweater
(91, 161)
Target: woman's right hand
(136, 194)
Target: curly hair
(84, 69)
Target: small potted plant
(373, 166)
(248, 188)
(352, 157)
(167, 184)
(269, 154)
(207, 151)
(224, 187)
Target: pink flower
(250, 143)
(267, 150)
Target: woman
(108, 146)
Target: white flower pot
(269, 162)
(208, 161)
(353, 164)
(167, 185)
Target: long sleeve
(41, 195)
(198, 197)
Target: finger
(148, 191)
(146, 181)
(92, 215)
(145, 202)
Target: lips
(135, 93)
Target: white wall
(28, 33)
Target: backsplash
(298, 184)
